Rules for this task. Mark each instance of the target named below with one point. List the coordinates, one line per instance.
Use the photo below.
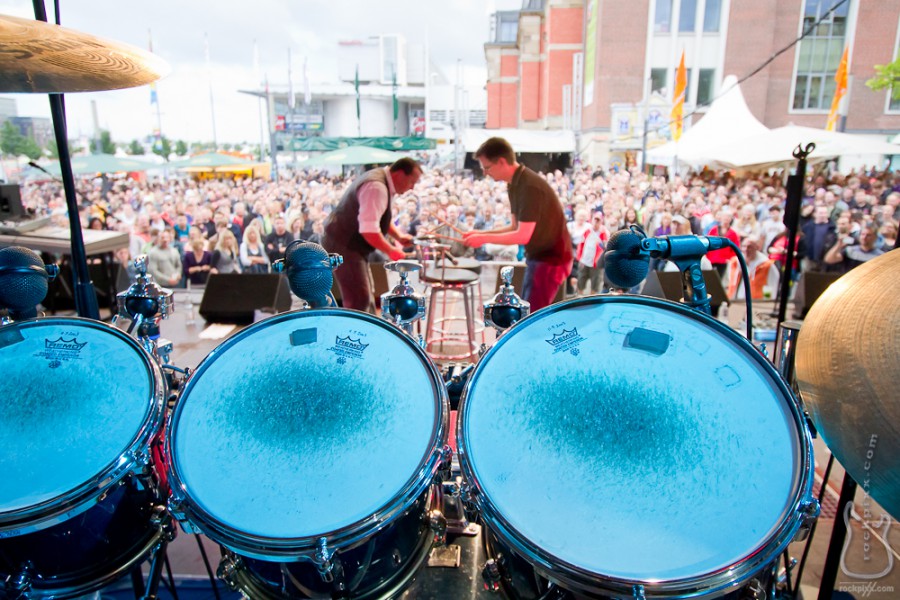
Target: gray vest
(342, 225)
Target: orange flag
(678, 100)
(840, 78)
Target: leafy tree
(181, 148)
(885, 77)
(14, 143)
(53, 149)
(162, 147)
(135, 148)
(107, 146)
(10, 139)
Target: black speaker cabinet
(810, 286)
(232, 297)
(667, 284)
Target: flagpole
(291, 104)
(212, 106)
(258, 77)
(154, 99)
(356, 85)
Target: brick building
(631, 49)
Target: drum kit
(608, 446)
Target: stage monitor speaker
(810, 286)
(667, 284)
(232, 297)
(11, 208)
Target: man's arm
(516, 233)
(379, 242)
(835, 254)
(400, 237)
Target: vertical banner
(590, 52)
(678, 99)
(840, 79)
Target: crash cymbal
(848, 368)
(43, 58)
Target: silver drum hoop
(308, 347)
(599, 331)
(62, 344)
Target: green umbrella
(354, 155)
(209, 160)
(102, 163)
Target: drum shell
(195, 518)
(597, 584)
(89, 535)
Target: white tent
(727, 120)
(775, 147)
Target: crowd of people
(191, 228)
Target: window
(658, 80)
(712, 15)
(819, 55)
(688, 16)
(705, 86)
(662, 22)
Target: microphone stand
(85, 297)
(792, 223)
(693, 285)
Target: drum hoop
(133, 458)
(183, 506)
(575, 577)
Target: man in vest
(537, 222)
(361, 224)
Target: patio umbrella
(354, 155)
(102, 163)
(208, 161)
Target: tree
(53, 149)
(162, 147)
(107, 146)
(181, 148)
(885, 77)
(14, 143)
(135, 148)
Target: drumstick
(450, 225)
(447, 237)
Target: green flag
(394, 95)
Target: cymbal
(42, 58)
(848, 368)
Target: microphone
(308, 268)
(23, 281)
(626, 262)
(674, 247)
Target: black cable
(787, 573)
(171, 578)
(745, 275)
(209, 571)
(812, 529)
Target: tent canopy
(727, 120)
(523, 140)
(210, 160)
(353, 155)
(396, 144)
(775, 147)
(102, 163)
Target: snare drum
(307, 445)
(83, 404)
(626, 446)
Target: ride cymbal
(38, 57)
(848, 369)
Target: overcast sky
(455, 30)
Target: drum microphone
(308, 268)
(674, 247)
(23, 281)
(627, 263)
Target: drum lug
(162, 520)
(323, 562)
(809, 512)
(437, 522)
(20, 584)
(638, 592)
(227, 571)
(176, 509)
(491, 575)
(446, 462)
(754, 590)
